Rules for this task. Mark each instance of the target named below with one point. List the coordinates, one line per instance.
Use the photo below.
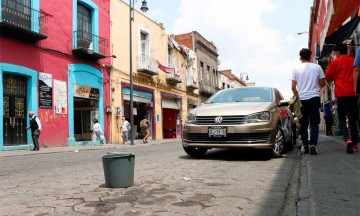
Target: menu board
(45, 90)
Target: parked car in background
(240, 118)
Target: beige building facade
(159, 74)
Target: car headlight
(258, 117)
(190, 118)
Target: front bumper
(256, 135)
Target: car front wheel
(194, 151)
(279, 143)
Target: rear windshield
(245, 94)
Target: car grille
(236, 137)
(227, 120)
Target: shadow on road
(233, 155)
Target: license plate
(217, 131)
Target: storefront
(171, 109)
(85, 95)
(143, 105)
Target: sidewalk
(330, 181)
(51, 150)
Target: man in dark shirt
(35, 126)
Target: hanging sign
(45, 90)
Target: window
(171, 58)
(84, 28)
(144, 44)
(85, 25)
(84, 19)
(201, 70)
(208, 73)
(223, 85)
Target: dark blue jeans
(310, 114)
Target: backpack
(143, 124)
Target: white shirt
(307, 76)
(97, 128)
(124, 126)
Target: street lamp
(143, 8)
(242, 75)
(304, 32)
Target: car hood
(231, 109)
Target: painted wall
(53, 55)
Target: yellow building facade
(161, 90)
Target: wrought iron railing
(86, 40)
(23, 16)
(147, 63)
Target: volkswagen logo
(218, 120)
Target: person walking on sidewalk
(125, 127)
(35, 126)
(97, 132)
(144, 124)
(328, 116)
(306, 80)
(341, 71)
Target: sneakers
(355, 148)
(305, 149)
(313, 150)
(349, 146)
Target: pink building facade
(54, 60)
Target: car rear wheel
(279, 143)
(195, 151)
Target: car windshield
(245, 94)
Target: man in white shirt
(35, 126)
(306, 81)
(125, 127)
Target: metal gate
(14, 109)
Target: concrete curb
(54, 150)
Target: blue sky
(258, 37)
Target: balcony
(147, 66)
(206, 89)
(191, 85)
(174, 76)
(88, 46)
(22, 22)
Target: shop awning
(170, 103)
(138, 99)
(342, 11)
(339, 36)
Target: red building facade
(54, 60)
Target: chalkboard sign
(45, 90)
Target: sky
(257, 38)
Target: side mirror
(283, 103)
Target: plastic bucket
(119, 169)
